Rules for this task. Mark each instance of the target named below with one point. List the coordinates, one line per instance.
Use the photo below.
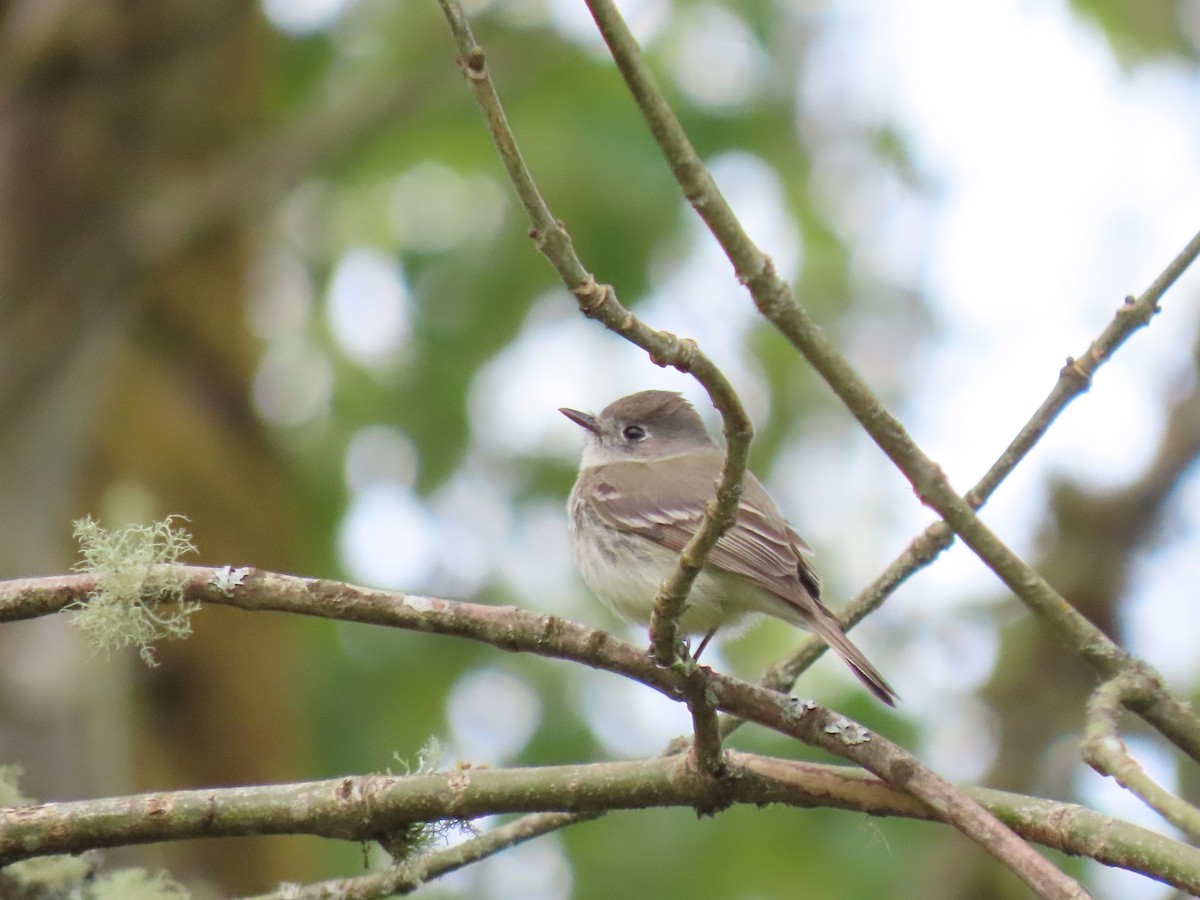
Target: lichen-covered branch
(517, 630)
(360, 808)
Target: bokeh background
(259, 267)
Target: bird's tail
(825, 624)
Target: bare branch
(1073, 380)
(1105, 752)
(774, 299)
(407, 877)
(706, 725)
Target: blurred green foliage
(1138, 32)
(370, 699)
(603, 176)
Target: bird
(648, 469)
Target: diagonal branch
(1073, 380)
(774, 299)
(406, 877)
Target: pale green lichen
(850, 732)
(52, 875)
(137, 884)
(408, 840)
(796, 709)
(429, 757)
(137, 599)
(412, 838)
(226, 579)
(10, 790)
(75, 877)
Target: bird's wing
(760, 546)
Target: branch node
(474, 65)
(1074, 369)
(591, 295)
(668, 351)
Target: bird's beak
(582, 419)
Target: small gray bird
(648, 470)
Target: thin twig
(706, 724)
(406, 877)
(1105, 752)
(1074, 379)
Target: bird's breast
(625, 571)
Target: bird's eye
(633, 433)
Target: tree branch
(774, 299)
(406, 877)
(1073, 380)
(1105, 752)
(361, 808)
(516, 630)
